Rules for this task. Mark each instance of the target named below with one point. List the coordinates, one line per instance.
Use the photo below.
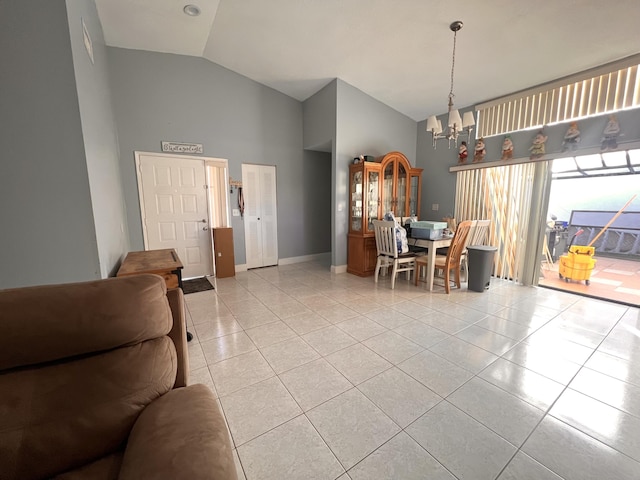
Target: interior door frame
(204, 160)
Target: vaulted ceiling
(397, 51)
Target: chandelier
(456, 125)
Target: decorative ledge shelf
(549, 156)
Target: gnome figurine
(463, 153)
(571, 138)
(480, 151)
(537, 149)
(507, 148)
(610, 134)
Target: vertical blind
(502, 194)
(564, 100)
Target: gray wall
(48, 233)
(316, 233)
(99, 134)
(438, 184)
(363, 126)
(319, 134)
(179, 98)
(319, 119)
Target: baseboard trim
(241, 267)
(338, 269)
(303, 258)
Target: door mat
(196, 285)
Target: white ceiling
(398, 51)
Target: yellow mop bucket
(577, 264)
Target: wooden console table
(165, 263)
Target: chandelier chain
(453, 62)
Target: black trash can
(480, 266)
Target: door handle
(205, 228)
(203, 221)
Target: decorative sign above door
(175, 147)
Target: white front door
(174, 207)
(260, 215)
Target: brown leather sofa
(92, 386)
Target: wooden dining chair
(387, 247)
(453, 258)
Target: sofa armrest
(178, 334)
(180, 435)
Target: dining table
(431, 245)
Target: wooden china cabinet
(388, 184)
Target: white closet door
(260, 215)
(268, 216)
(252, 230)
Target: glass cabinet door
(414, 189)
(387, 186)
(373, 199)
(401, 191)
(356, 201)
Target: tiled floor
(325, 376)
(612, 278)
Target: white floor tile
(225, 347)
(446, 323)
(465, 447)
(238, 372)
(401, 397)
(420, 333)
(217, 327)
(545, 362)
(615, 367)
(358, 363)
(507, 415)
(525, 384)
(328, 340)
(389, 318)
(301, 454)
(486, 339)
(523, 467)
(574, 455)
(505, 327)
(611, 426)
(361, 328)
(435, 372)
(352, 426)
(264, 338)
(306, 322)
(464, 354)
(621, 395)
(266, 335)
(256, 409)
(400, 458)
(336, 313)
(289, 354)
(393, 347)
(314, 383)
